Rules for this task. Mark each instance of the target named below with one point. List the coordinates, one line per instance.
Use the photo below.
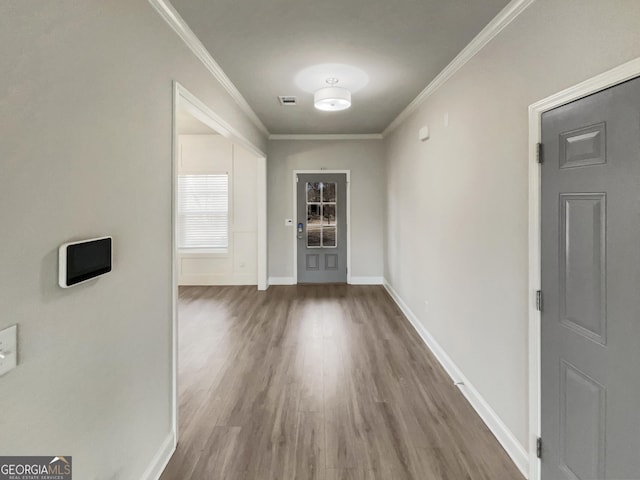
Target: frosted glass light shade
(332, 99)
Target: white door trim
(185, 99)
(295, 215)
(600, 82)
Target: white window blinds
(203, 211)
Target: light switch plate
(8, 349)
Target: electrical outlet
(8, 349)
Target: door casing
(608, 79)
(295, 210)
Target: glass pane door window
(322, 223)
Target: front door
(322, 228)
(591, 287)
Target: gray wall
(457, 204)
(365, 159)
(85, 150)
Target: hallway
(318, 382)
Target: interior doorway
(193, 118)
(575, 287)
(590, 389)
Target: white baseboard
(216, 280)
(161, 459)
(352, 281)
(281, 281)
(509, 442)
(366, 281)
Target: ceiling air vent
(287, 101)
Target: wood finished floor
(318, 382)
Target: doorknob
(300, 228)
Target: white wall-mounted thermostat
(82, 261)
(423, 133)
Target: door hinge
(540, 153)
(539, 447)
(539, 300)
(298, 178)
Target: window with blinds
(203, 211)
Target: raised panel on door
(583, 263)
(584, 146)
(582, 425)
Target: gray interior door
(591, 287)
(322, 228)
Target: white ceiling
(269, 47)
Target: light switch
(8, 349)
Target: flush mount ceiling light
(313, 77)
(332, 98)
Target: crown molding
(338, 136)
(507, 15)
(176, 22)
